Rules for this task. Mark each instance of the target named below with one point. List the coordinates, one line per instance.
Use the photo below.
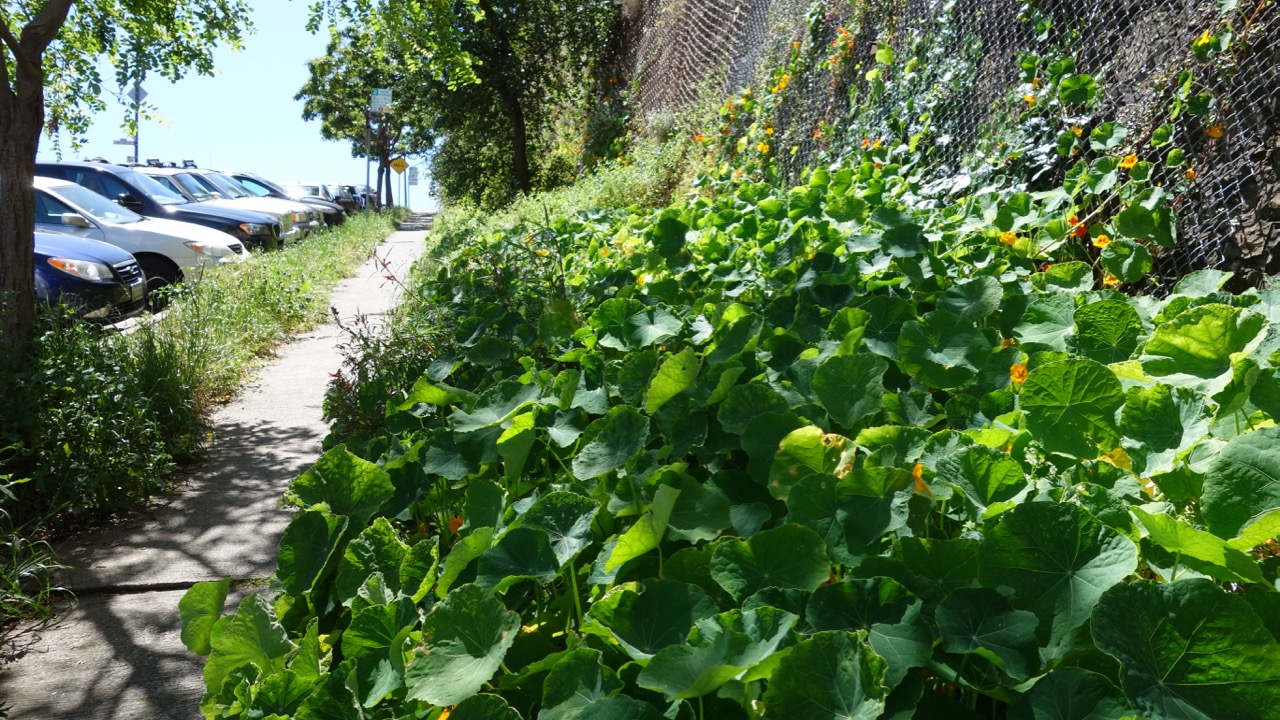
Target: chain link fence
(1221, 111)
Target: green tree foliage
(488, 75)
(50, 55)
(357, 60)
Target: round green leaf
(1195, 348)
(253, 636)
(626, 324)
(566, 519)
(200, 607)
(719, 649)
(888, 314)
(976, 298)
(984, 475)
(828, 676)
(1107, 331)
(747, 401)
(850, 387)
(1071, 693)
(662, 613)
(1058, 559)
(484, 707)
(1188, 650)
(1128, 260)
(676, 375)
(347, 484)
(1071, 407)
(523, 553)
(465, 638)
(1077, 89)
(378, 549)
(610, 442)
(1046, 323)
(309, 542)
(1243, 484)
(943, 350)
(576, 681)
(980, 620)
(790, 556)
(1159, 422)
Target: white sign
(380, 100)
(137, 94)
(413, 175)
(122, 141)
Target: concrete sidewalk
(117, 653)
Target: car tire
(161, 272)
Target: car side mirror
(129, 201)
(75, 220)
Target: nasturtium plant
(907, 440)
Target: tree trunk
(509, 98)
(21, 121)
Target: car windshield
(151, 188)
(95, 205)
(305, 191)
(252, 181)
(225, 185)
(201, 191)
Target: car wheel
(161, 272)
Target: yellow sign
(399, 165)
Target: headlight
(299, 217)
(211, 249)
(84, 269)
(255, 228)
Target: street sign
(413, 176)
(122, 141)
(399, 165)
(137, 95)
(380, 100)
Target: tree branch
(7, 36)
(45, 26)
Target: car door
(49, 212)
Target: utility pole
(368, 143)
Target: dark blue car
(99, 281)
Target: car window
(49, 210)
(197, 186)
(225, 185)
(97, 206)
(91, 180)
(149, 187)
(255, 187)
(167, 182)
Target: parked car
(315, 190)
(169, 251)
(342, 195)
(139, 193)
(187, 183)
(99, 281)
(334, 214)
(367, 197)
(305, 218)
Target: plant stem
(577, 602)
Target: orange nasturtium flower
(1129, 161)
(1214, 131)
(1101, 241)
(699, 137)
(455, 523)
(866, 143)
(1190, 174)
(1110, 280)
(917, 474)
(1009, 238)
(445, 715)
(1077, 130)
(1018, 373)
(1006, 343)
(1077, 228)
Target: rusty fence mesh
(960, 62)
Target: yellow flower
(1215, 131)
(445, 715)
(541, 252)
(1110, 280)
(763, 147)
(1190, 174)
(644, 278)
(1007, 343)
(1018, 373)
(768, 131)
(917, 474)
(1009, 238)
(876, 145)
(1101, 241)
(604, 251)
(1077, 130)
(1129, 161)
(1036, 82)
(1029, 99)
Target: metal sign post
(380, 103)
(137, 95)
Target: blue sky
(244, 117)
